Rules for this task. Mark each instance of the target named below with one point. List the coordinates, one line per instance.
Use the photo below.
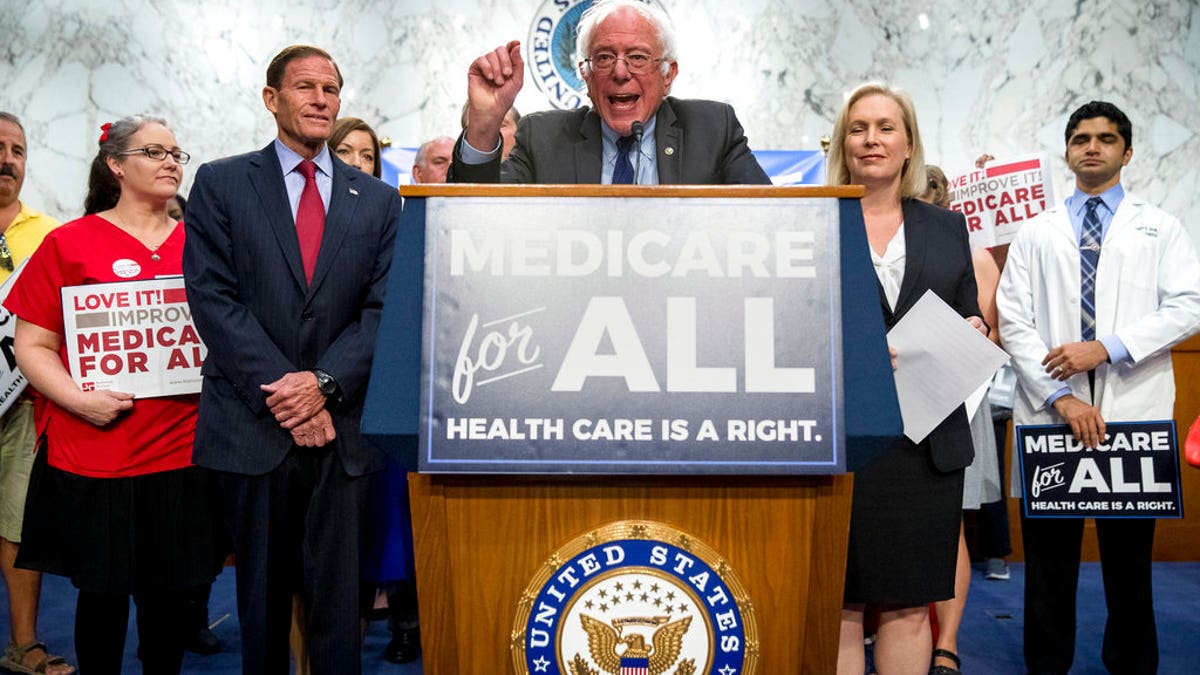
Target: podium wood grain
(480, 540)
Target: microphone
(638, 129)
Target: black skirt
(155, 532)
(903, 529)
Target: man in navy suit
(286, 265)
(632, 133)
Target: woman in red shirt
(115, 503)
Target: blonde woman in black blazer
(905, 516)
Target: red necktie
(310, 219)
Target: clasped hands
(299, 406)
(1087, 425)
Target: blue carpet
(989, 640)
(56, 629)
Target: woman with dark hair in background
(355, 143)
(904, 518)
(115, 503)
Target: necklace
(152, 247)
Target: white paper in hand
(940, 360)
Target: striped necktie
(623, 171)
(1089, 260)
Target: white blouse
(889, 267)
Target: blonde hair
(913, 180)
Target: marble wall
(993, 76)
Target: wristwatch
(325, 383)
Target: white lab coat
(1147, 293)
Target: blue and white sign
(616, 335)
(1134, 473)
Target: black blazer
(938, 258)
(260, 319)
(698, 143)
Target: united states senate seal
(550, 51)
(635, 598)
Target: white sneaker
(997, 569)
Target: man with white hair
(633, 132)
(433, 160)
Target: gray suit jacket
(698, 143)
(260, 319)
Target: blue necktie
(623, 171)
(1089, 260)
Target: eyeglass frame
(599, 68)
(149, 151)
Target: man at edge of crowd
(21, 231)
(1093, 296)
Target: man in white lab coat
(1094, 294)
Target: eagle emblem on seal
(605, 641)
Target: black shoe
(204, 642)
(404, 647)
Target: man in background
(508, 128)
(433, 160)
(21, 232)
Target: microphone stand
(638, 129)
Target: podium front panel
(614, 335)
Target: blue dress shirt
(294, 180)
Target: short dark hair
(1101, 109)
(9, 117)
(279, 64)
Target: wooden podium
(480, 539)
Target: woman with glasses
(114, 501)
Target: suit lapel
(916, 240)
(343, 202)
(267, 179)
(589, 150)
(668, 145)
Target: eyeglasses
(6, 259)
(636, 63)
(159, 153)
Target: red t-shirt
(157, 433)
